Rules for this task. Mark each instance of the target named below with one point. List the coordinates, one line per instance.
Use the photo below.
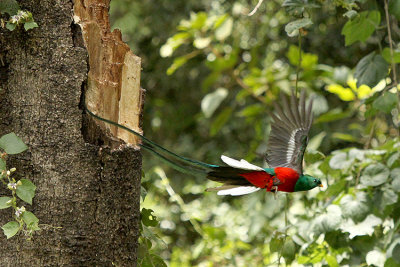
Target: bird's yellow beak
(321, 185)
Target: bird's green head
(307, 182)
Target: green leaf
(394, 8)
(331, 260)
(9, 6)
(385, 102)
(30, 25)
(361, 27)
(393, 159)
(153, 260)
(340, 161)
(201, 43)
(3, 202)
(26, 191)
(308, 60)
(316, 141)
(292, 28)
(220, 121)
(223, 31)
(375, 258)
(148, 218)
(178, 62)
(350, 14)
(396, 253)
(198, 20)
(223, 63)
(355, 207)
(143, 192)
(313, 156)
(390, 262)
(11, 26)
(173, 43)
(10, 229)
(364, 228)
(336, 188)
(31, 220)
(276, 244)
(297, 7)
(389, 197)
(220, 20)
(328, 221)
(289, 251)
(212, 101)
(388, 57)
(374, 175)
(2, 165)
(371, 69)
(252, 110)
(344, 137)
(333, 115)
(12, 144)
(395, 175)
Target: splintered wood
(114, 89)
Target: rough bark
(87, 195)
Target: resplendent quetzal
(286, 146)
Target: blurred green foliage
(212, 74)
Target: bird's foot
(275, 190)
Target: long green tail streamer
(179, 163)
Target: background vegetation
(212, 73)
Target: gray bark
(87, 196)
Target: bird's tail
(179, 163)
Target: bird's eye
(315, 180)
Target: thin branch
(394, 71)
(286, 228)
(256, 8)
(391, 45)
(298, 65)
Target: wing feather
(289, 132)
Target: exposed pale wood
(114, 77)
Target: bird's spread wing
(289, 133)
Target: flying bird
(286, 146)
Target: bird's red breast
(287, 179)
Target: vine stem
(299, 64)
(256, 8)
(286, 227)
(391, 44)
(394, 71)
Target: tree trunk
(87, 178)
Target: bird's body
(286, 147)
(241, 177)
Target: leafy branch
(24, 189)
(17, 17)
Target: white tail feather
(238, 191)
(242, 164)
